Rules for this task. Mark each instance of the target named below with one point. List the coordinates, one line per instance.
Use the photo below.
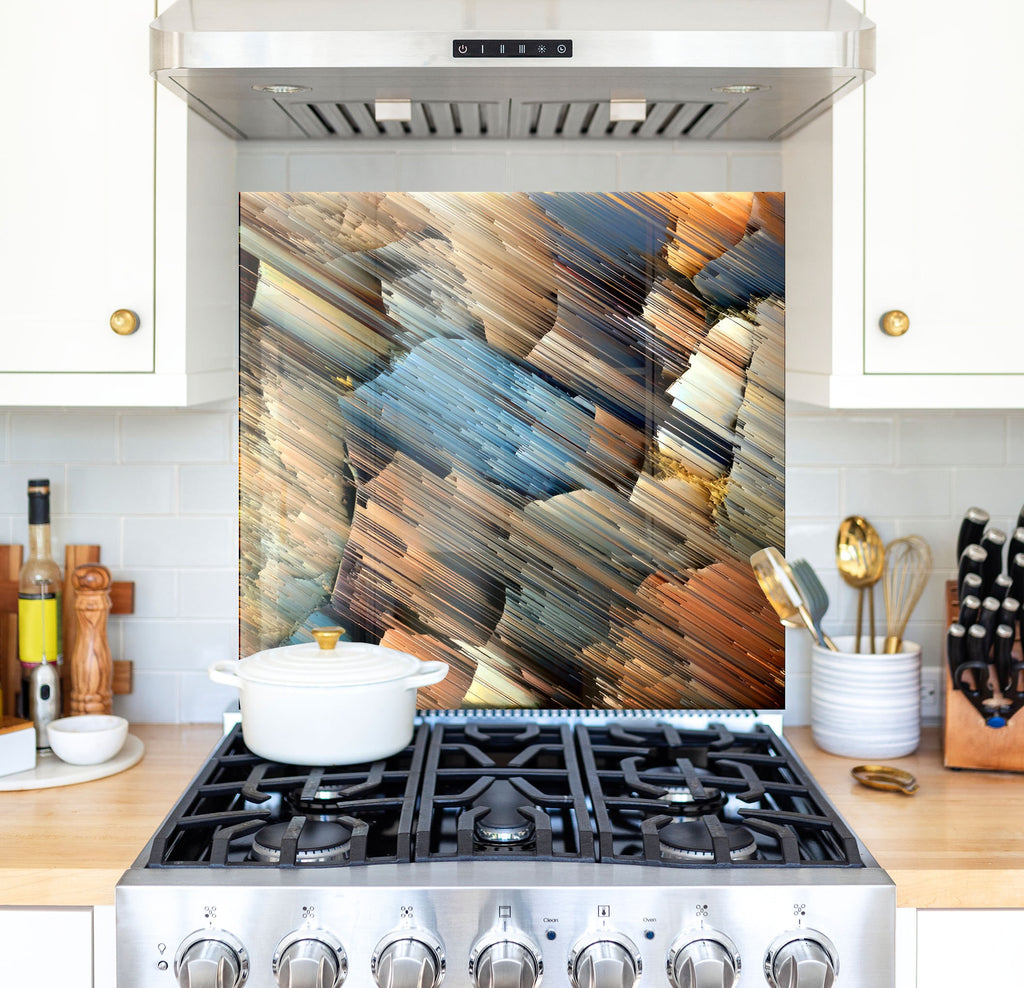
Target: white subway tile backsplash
(153, 700)
(121, 489)
(812, 493)
(175, 542)
(1015, 440)
(641, 172)
(345, 172)
(156, 592)
(835, 439)
(894, 493)
(163, 646)
(211, 490)
(571, 171)
(940, 439)
(1000, 491)
(82, 438)
(209, 593)
(203, 701)
(175, 437)
(452, 172)
(261, 172)
(755, 172)
(14, 478)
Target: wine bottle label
(39, 632)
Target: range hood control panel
(514, 48)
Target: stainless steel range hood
(401, 69)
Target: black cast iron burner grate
(638, 791)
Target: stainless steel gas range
(592, 851)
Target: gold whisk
(908, 563)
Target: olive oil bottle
(39, 600)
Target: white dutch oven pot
(329, 703)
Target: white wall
(157, 489)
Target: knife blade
(971, 528)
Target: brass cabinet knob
(124, 322)
(895, 323)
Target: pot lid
(333, 663)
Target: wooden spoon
(860, 558)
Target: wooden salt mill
(92, 670)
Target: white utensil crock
(303, 705)
(863, 705)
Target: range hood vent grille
(591, 119)
(582, 119)
(354, 119)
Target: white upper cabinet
(92, 186)
(906, 199)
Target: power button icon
(463, 49)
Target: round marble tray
(50, 771)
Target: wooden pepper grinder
(92, 670)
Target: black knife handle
(1016, 544)
(981, 689)
(956, 651)
(988, 618)
(1020, 518)
(977, 660)
(971, 587)
(1009, 612)
(1002, 659)
(1001, 587)
(993, 542)
(972, 560)
(970, 608)
(1016, 570)
(971, 528)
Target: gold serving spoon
(860, 558)
(776, 580)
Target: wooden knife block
(122, 597)
(967, 741)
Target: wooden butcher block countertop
(958, 843)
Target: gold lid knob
(124, 322)
(895, 323)
(327, 638)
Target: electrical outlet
(931, 694)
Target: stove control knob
(707, 960)
(211, 959)
(310, 959)
(506, 964)
(607, 960)
(801, 959)
(410, 959)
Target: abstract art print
(534, 435)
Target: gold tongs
(885, 777)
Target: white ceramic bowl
(88, 739)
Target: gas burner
(502, 823)
(683, 802)
(691, 841)
(319, 843)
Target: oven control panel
(685, 936)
